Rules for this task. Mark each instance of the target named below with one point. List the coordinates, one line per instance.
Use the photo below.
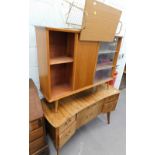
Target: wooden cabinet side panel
(85, 63)
(42, 38)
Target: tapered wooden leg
(56, 106)
(58, 152)
(108, 117)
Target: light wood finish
(42, 38)
(61, 79)
(56, 106)
(87, 115)
(69, 107)
(67, 134)
(99, 22)
(67, 90)
(66, 64)
(75, 111)
(61, 60)
(64, 30)
(110, 106)
(61, 44)
(86, 59)
(64, 126)
(36, 134)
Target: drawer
(112, 98)
(35, 124)
(110, 106)
(37, 144)
(67, 134)
(36, 134)
(66, 124)
(87, 115)
(100, 106)
(42, 151)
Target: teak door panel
(85, 63)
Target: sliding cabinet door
(85, 63)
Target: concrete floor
(97, 137)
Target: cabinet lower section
(63, 133)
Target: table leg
(56, 106)
(58, 151)
(108, 117)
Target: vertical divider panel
(74, 57)
(96, 59)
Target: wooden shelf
(60, 60)
(59, 90)
(67, 91)
(103, 66)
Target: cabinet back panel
(61, 44)
(61, 74)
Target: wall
(52, 13)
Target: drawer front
(112, 98)
(35, 124)
(110, 106)
(87, 115)
(66, 124)
(100, 106)
(42, 151)
(36, 134)
(67, 134)
(37, 144)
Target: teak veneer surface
(70, 106)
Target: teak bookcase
(68, 65)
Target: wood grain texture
(67, 91)
(61, 60)
(42, 38)
(66, 135)
(37, 144)
(43, 151)
(35, 109)
(86, 60)
(99, 22)
(36, 134)
(72, 105)
(76, 111)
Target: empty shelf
(61, 60)
(61, 89)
